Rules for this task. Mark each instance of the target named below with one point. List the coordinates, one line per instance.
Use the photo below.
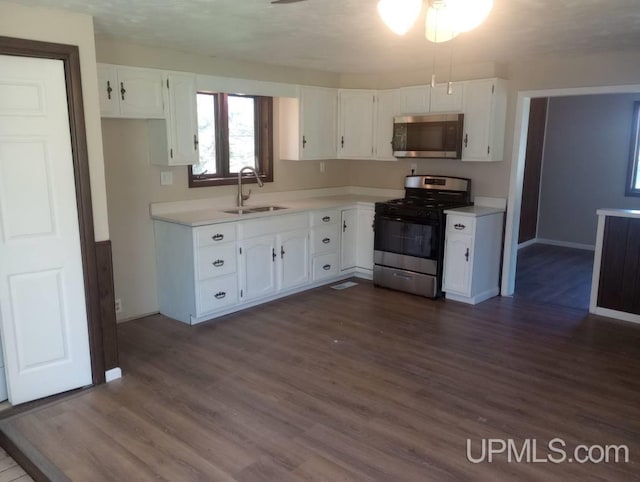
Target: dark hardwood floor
(359, 384)
(554, 275)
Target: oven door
(417, 238)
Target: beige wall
(67, 28)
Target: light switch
(166, 178)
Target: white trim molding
(566, 244)
(113, 374)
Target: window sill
(225, 181)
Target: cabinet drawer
(460, 224)
(324, 239)
(326, 216)
(216, 260)
(216, 293)
(325, 266)
(215, 234)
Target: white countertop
(621, 213)
(215, 215)
(474, 211)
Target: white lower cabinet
(258, 265)
(212, 270)
(472, 253)
(325, 244)
(349, 239)
(357, 239)
(294, 258)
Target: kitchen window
(633, 177)
(234, 131)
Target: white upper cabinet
(182, 121)
(386, 108)
(130, 92)
(484, 107)
(414, 100)
(441, 101)
(308, 125)
(356, 124)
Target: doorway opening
(567, 163)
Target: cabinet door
(318, 113)
(457, 264)
(349, 239)
(108, 91)
(140, 93)
(414, 100)
(294, 258)
(182, 120)
(258, 261)
(441, 101)
(478, 113)
(356, 124)
(364, 253)
(386, 109)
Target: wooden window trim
(263, 138)
(634, 152)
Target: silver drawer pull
(218, 263)
(326, 267)
(220, 294)
(217, 237)
(459, 226)
(326, 219)
(326, 240)
(402, 276)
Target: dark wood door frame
(70, 56)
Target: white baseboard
(566, 244)
(113, 374)
(531, 242)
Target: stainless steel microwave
(435, 136)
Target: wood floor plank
(360, 384)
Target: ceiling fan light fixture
(399, 15)
(440, 22)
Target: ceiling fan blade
(275, 2)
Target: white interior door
(43, 315)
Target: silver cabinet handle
(403, 276)
(220, 294)
(109, 90)
(218, 263)
(326, 267)
(217, 237)
(326, 240)
(459, 226)
(326, 219)
(344, 226)
(122, 90)
(466, 255)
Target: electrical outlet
(118, 305)
(322, 166)
(166, 178)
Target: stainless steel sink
(259, 209)
(263, 209)
(238, 211)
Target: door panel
(349, 239)
(457, 262)
(258, 266)
(294, 262)
(42, 297)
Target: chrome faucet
(243, 197)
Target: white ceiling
(347, 36)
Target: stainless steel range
(409, 234)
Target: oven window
(405, 237)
